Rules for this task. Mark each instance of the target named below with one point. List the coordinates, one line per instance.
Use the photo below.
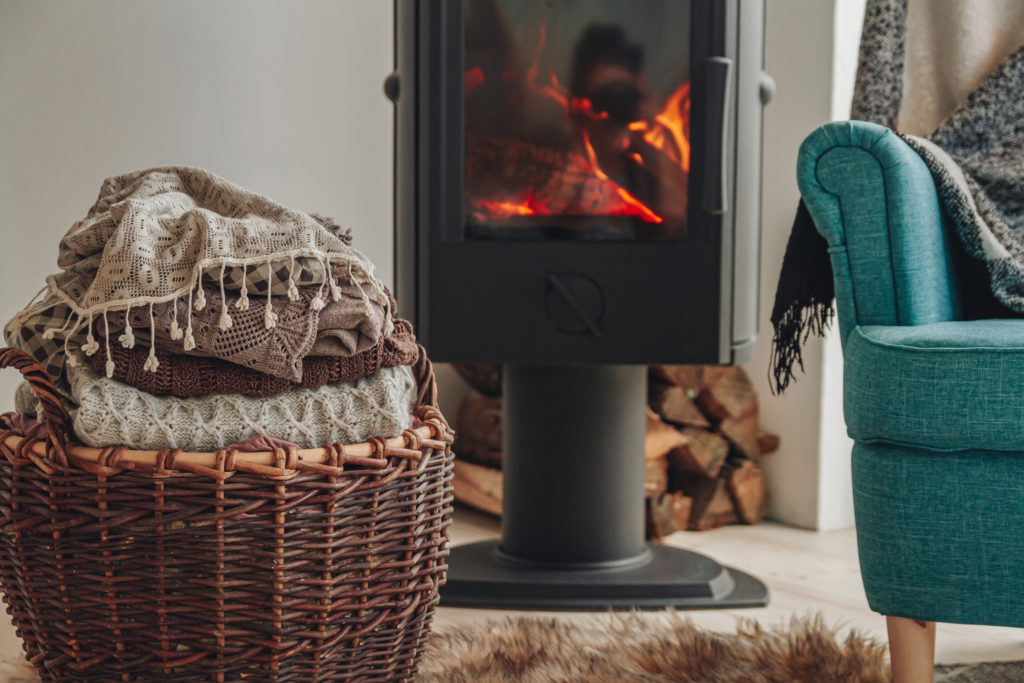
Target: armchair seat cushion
(949, 386)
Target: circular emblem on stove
(575, 303)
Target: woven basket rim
(60, 447)
(209, 459)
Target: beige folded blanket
(156, 238)
(111, 413)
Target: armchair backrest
(874, 201)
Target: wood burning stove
(577, 193)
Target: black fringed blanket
(976, 157)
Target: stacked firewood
(701, 452)
(478, 427)
(702, 449)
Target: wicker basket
(291, 565)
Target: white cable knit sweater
(111, 413)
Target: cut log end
(748, 492)
(767, 443)
(660, 437)
(667, 514)
(703, 453)
(712, 505)
(728, 393)
(741, 432)
(672, 403)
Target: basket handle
(55, 415)
(424, 373)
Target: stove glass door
(577, 119)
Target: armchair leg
(911, 650)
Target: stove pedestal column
(573, 519)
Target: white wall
(285, 98)
(281, 97)
(798, 54)
(835, 483)
(811, 50)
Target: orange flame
(525, 205)
(667, 133)
(624, 194)
(671, 120)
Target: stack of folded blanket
(193, 314)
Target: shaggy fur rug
(650, 648)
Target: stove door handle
(715, 183)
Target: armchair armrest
(874, 201)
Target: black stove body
(497, 135)
(577, 195)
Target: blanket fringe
(803, 299)
(356, 273)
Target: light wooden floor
(807, 572)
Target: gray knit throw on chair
(976, 157)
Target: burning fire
(639, 209)
(666, 134)
(527, 205)
(672, 120)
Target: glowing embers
(604, 146)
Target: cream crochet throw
(111, 413)
(152, 235)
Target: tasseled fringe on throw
(335, 289)
(200, 296)
(293, 290)
(109, 366)
(51, 332)
(69, 357)
(127, 339)
(381, 296)
(358, 275)
(318, 304)
(151, 364)
(243, 301)
(176, 333)
(367, 308)
(225, 321)
(269, 314)
(190, 341)
(91, 346)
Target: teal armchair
(933, 402)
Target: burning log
(506, 178)
(554, 169)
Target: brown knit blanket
(186, 376)
(344, 327)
